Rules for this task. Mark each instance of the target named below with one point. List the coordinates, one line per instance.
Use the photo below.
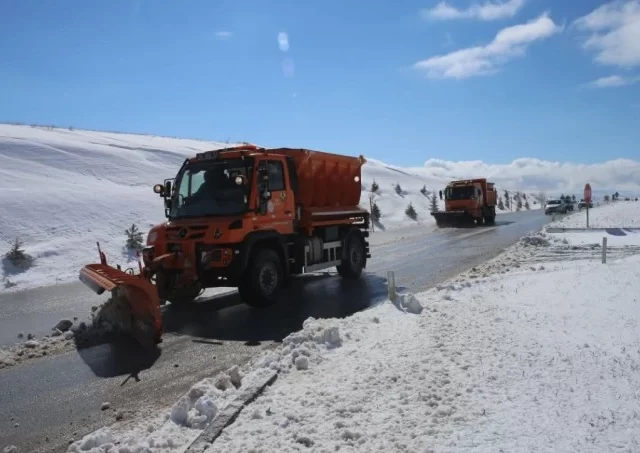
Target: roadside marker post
(391, 285)
(604, 250)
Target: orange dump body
(326, 180)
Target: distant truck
(468, 201)
(244, 217)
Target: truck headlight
(151, 238)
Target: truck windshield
(459, 193)
(209, 189)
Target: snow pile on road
(59, 341)
(62, 190)
(511, 356)
(621, 214)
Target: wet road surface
(59, 397)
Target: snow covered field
(621, 214)
(536, 350)
(62, 190)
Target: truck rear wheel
(261, 284)
(355, 258)
(490, 216)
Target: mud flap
(141, 316)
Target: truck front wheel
(261, 284)
(354, 259)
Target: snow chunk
(10, 449)
(236, 376)
(409, 303)
(31, 344)
(63, 325)
(68, 335)
(101, 439)
(302, 362)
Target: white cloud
(614, 81)
(510, 42)
(614, 33)
(540, 175)
(223, 34)
(489, 10)
(283, 41)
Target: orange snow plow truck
(468, 201)
(244, 217)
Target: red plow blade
(143, 318)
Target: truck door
(280, 209)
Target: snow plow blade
(452, 218)
(140, 311)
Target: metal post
(587, 214)
(391, 285)
(604, 250)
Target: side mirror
(159, 189)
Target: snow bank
(621, 214)
(514, 355)
(62, 190)
(175, 429)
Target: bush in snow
(500, 204)
(398, 189)
(411, 212)
(433, 207)
(375, 212)
(134, 237)
(18, 257)
(374, 186)
(423, 191)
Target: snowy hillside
(62, 190)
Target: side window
(276, 175)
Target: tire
(261, 284)
(490, 218)
(353, 263)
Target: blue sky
(346, 82)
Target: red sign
(587, 193)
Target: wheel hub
(268, 279)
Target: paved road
(59, 397)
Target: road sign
(587, 193)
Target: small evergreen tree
(411, 212)
(526, 205)
(500, 204)
(398, 189)
(375, 212)
(433, 207)
(519, 205)
(507, 202)
(18, 257)
(374, 186)
(524, 196)
(134, 237)
(573, 198)
(423, 191)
